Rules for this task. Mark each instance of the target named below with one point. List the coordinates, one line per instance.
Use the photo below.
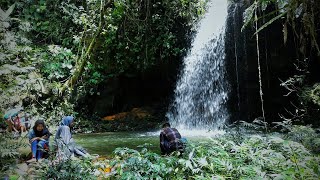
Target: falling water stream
(202, 90)
(199, 108)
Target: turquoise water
(105, 143)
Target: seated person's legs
(78, 152)
(41, 149)
(16, 124)
(34, 147)
(165, 149)
(23, 128)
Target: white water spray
(202, 90)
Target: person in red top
(13, 119)
(16, 120)
(170, 140)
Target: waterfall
(236, 57)
(202, 90)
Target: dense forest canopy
(61, 44)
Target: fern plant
(306, 136)
(256, 156)
(9, 150)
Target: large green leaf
(5, 15)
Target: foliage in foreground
(9, 151)
(253, 158)
(228, 156)
(71, 169)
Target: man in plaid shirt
(170, 140)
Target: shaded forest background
(94, 57)
(121, 59)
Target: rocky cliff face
(277, 65)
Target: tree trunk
(84, 58)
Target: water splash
(201, 91)
(188, 133)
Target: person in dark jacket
(39, 140)
(170, 140)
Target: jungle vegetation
(55, 52)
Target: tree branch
(86, 56)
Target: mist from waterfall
(202, 91)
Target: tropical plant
(130, 36)
(300, 24)
(311, 94)
(254, 157)
(306, 136)
(290, 12)
(70, 169)
(9, 150)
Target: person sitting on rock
(39, 140)
(170, 140)
(17, 125)
(66, 147)
(13, 120)
(8, 119)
